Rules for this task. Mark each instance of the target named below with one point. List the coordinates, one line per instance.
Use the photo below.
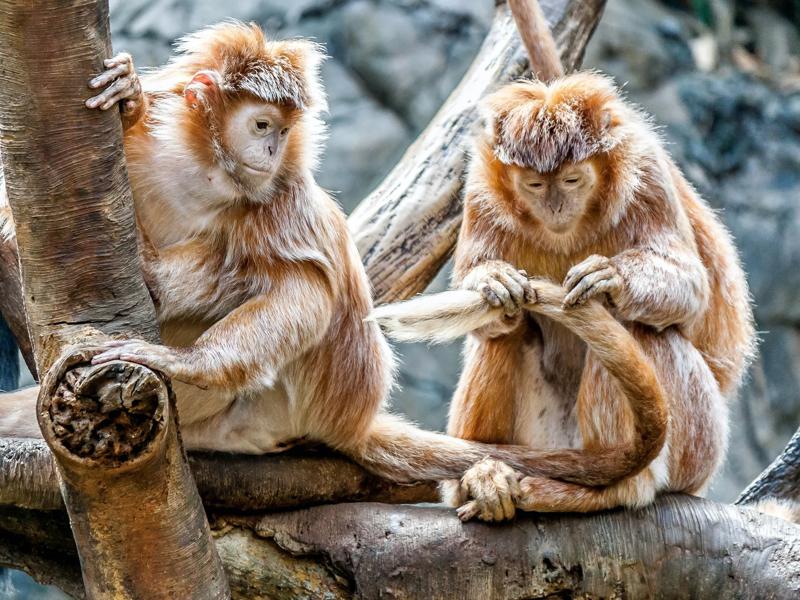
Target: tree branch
(679, 547)
(225, 481)
(780, 480)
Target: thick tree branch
(226, 481)
(680, 547)
(407, 227)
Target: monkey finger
(108, 76)
(504, 508)
(579, 292)
(490, 296)
(468, 512)
(122, 57)
(505, 296)
(607, 286)
(584, 268)
(515, 289)
(512, 479)
(117, 91)
(518, 275)
(105, 357)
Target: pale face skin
(256, 135)
(557, 199)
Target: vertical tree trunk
(135, 512)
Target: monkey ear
(204, 86)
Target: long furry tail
(436, 317)
(445, 316)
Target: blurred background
(721, 76)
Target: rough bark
(780, 480)
(136, 516)
(680, 547)
(406, 228)
(235, 482)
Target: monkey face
(256, 135)
(558, 199)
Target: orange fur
(682, 295)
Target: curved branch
(779, 480)
(406, 228)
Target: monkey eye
(262, 125)
(535, 184)
(572, 179)
(284, 131)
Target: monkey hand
(493, 489)
(177, 363)
(590, 278)
(502, 285)
(124, 85)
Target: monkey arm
(255, 341)
(663, 284)
(659, 284)
(250, 345)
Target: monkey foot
(494, 490)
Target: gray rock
(355, 161)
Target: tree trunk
(135, 512)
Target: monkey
(261, 297)
(570, 183)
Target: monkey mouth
(256, 170)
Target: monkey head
(252, 103)
(550, 140)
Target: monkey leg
(695, 445)
(482, 408)
(247, 423)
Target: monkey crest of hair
(541, 126)
(282, 72)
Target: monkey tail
(397, 450)
(444, 316)
(537, 39)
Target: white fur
(436, 318)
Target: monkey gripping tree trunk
(134, 510)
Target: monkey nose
(270, 150)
